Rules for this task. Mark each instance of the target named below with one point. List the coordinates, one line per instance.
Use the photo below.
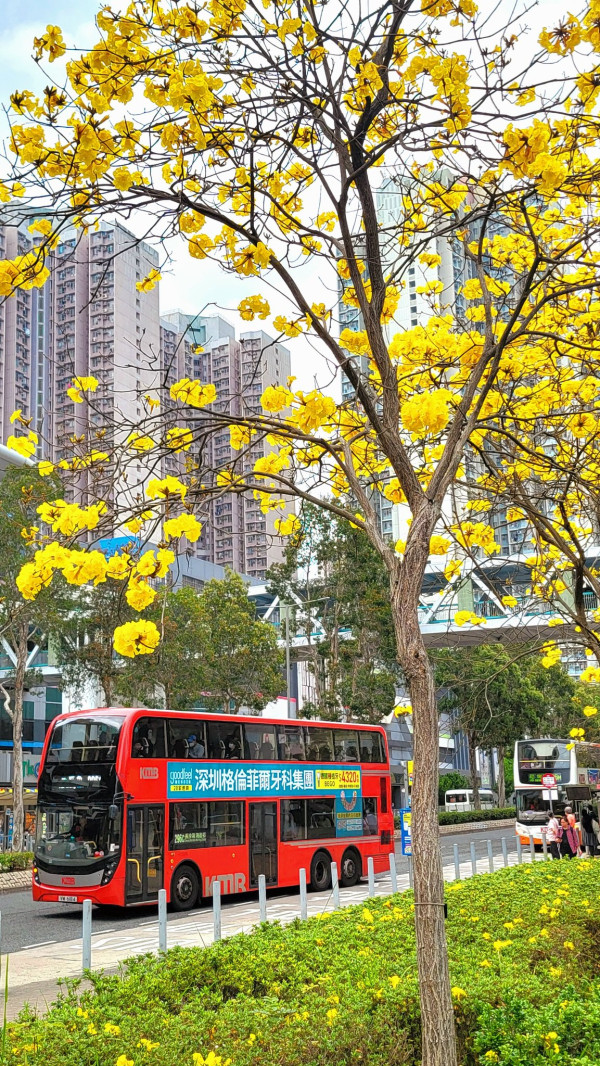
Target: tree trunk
(472, 742)
(501, 776)
(437, 1013)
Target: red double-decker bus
(132, 801)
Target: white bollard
(335, 886)
(531, 847)
(456, 863)
(505, 851)
(371, 872)
(393, 872)
(216, 895)
(86, 955)
(473, 859)
(303, 899)
(519, 850)
(544, 843)
(162, 919)
(262, 897)
(490, 855)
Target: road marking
(42, 944)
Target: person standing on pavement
(553, 835)
(569, 840)
(589, 830)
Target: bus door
(145, 853)
(263, 842)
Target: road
(27, 925)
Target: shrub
(493, 815)
(341, 989)
(15, 860)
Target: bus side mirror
(113, 812)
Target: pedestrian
(570, 816)
(553, 835)
(569, 843)
(589, 830)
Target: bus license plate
(68, 899)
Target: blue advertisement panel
(348, 814)
(219, 780)
(406, 831)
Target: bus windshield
(80, 835)
(532, 808)
(84, 740)
(545, 755)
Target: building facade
(236, 534)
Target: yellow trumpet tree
(259, 133)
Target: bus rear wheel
(320, 872)
(350, 871)
(185, 888)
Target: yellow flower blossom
(135, 638)
(24, 446)
(185, 526)
(148, 283)
(193, 392)
(165, 488)
(139, 594)
(179, 439)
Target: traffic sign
(548, 781)
(406, 831)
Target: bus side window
(259, 742)
(294, 736)
(319, 818)
(185, 738)
(366, 746)
(369, 816)
(224, 740)
(346, 745)
(293, 819)
(148, 740)
(319, 744)
(378, 748)
(384, 795)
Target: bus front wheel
(320, 872)
(350, 871)
(185, 888)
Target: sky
(186, 284)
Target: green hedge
(493, 815)
(15, 860)
(341, 989)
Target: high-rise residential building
(101, 325)
(264, 362)
(24, 380)
(236, 534)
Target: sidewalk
(13, 880)
(34, 972)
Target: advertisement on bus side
(218, 781)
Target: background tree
(85, 649)
(333, 574)
(450, 781)
(174, 676)
(276, 163)
(24, 624)
(241, 664)
(494, 699)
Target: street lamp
(288, 665)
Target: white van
(461, 799)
